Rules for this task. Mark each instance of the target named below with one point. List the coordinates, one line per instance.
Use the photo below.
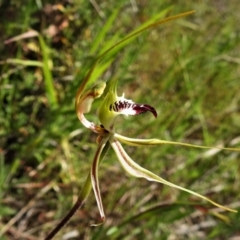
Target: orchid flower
(112, 106)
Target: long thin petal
(135, 170)
(95, 182)
(155, 141)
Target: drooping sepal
(83, 104)
(137, 171)
(95, 181)
(83, 101)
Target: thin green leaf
(28, 63)
(48, 79)
(110, 42)
(104, 30)
(135, 33)
(132, 36)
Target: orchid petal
(94, 179)
(112, 106)
(128, 107)
(137, 171)
(84, 102)
(155, 141)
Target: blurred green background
(187, 69)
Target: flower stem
(81, 198)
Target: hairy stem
(81, 198)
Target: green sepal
(105, 115)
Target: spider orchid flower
(112, 106)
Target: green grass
(187, 69)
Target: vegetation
(187, 69)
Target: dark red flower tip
(143, 108)
(128, 107)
